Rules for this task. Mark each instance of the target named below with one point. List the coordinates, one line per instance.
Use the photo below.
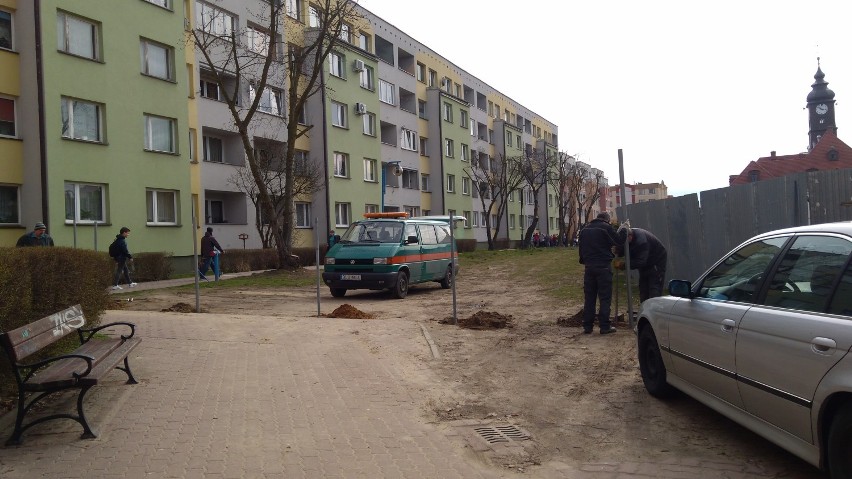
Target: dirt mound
(483, 320)
(179, 308)
(350, 312)
(575, 321)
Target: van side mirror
(411, 240)
(680, 288)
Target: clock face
(822, 109)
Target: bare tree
(493, 179)
(287, 52)
(559, 180)
(592, 190)
(534, 168)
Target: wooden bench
(80, 369)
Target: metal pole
(195, 259)
(453, 266)
(317, 247)
(630, 318)
(75, 230)
(95, 231)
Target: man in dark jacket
(37, 237)
(649, 256)
(596, 242)
(209, 249)
(119, 252)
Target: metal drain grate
(498, 434)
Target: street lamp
(397, 171)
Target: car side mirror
(411, 240)
(680, 288)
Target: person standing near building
(37, 237)
(649, 256)
(119, 252)
(596, 253)
(333, 238)
(209, 249)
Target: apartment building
(140, 136)
(650, 191)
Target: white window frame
(68, 27)
(213, 20)
(342, 214)
(367, 78)
(451, 183)
(152, 206)
(449, 148)
(410, 179)
(206, 148)
(424, 182)
(153, 120)
(161, 3)
(463, 118)
(339, 115)
(14, 216)
(257, 40)
(8, 43)
(387, 92)
(303, 214)
(512, 221)
(346, 32)
(294, 9)
(369, 122)
(447, 112)
(75, 190)
(314, 16)
(369, 208)
(207, 89)
(468, 219)
(465, 185)
(270, 100)
(148, 51)
(14, 121)
(68, 114)
(341, 165)
(474, 220)
(465, 152)
(370, 170)
(336, 65)
(408, 140)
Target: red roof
(829, 154)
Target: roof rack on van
(391, 214)
(445, 218)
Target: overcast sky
(691, 92)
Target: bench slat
(107, 353)
(109, 363)
(31, 338)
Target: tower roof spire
(819, 89)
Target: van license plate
(350, 277)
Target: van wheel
(338, 292)
(447, 282)
(651, 365)
(400, 289)
(839, 459)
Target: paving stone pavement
(225, 396)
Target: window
(408, 140)
(518, 140)
(366, 77)
(387, 92)
(424, 182)
(463, 120)
(448, 112)
(449, 148)
(270, 100)
(467, 219)
(511, 221)
(465, 152)
(410, 179)
(338, 114)
(369, 120)
(491, 136)
(215, 212)
(213, 149)
(76, 36)
(313, 16)
(530, 196)
(303, 215)
(81, 120)
(84, 203)
(420, 72)
(421, 109)
(335, 64)
(364, 41)
(160, 134)
(509, 139)
(9, 201)
(161, 3)
(412, 211)
(294, 8)
(257, 40)
(157, 60)
(475, 219)
(433, 76)
(736, 278)
(423, 144)
(7, 117)
(521, 222)
(342, 214)
(213, 20)
(162, 207)
(5, 30)
(368, 208)
(341, 165)
(345, 33)
(451, 183)
(370, 170)
(192, 149)
(209, 89)
(465, 185)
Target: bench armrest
(91, 332)
(34, 367)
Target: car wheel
(338, 292)
(400, 289)
(447, 282)
(651, 365)
(839, 450)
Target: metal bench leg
(126, 369)
(15, 439)
(87, 431)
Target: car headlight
(380, 261)
(329, 261)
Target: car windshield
(373, 232)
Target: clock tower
(820, 109)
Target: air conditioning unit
(358, 65)
(360, 108)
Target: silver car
(763, 337)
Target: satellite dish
(397, 170)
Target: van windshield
(373, 232)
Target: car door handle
(728, 325)
(823, 345)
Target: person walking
(37, 237)
(596, 253)
(209, 249)
(649, 256)
(119, 252)
(333, 238)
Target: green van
(392, 251)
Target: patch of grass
(268, 279)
